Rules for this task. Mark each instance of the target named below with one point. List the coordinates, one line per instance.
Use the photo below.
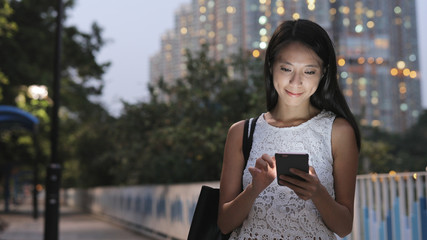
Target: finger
(269, 160)
(300, 173)
(300, 192)
(254, 171)
(312, 171)
(261, 164)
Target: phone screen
(285, 161)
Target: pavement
(73, 225)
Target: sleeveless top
(278, 213)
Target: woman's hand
(306, 189)
(264, 172)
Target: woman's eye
(310, 72)
(285, 69)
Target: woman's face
(297, 71)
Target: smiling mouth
(293, 94)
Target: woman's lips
(293, 94)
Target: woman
(306, 112)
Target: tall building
(375, 41)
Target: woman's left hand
(306, 189)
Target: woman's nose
(296, 79)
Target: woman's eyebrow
(308, 65)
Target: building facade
(375, 41)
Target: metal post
(36, 177)
(53, 177)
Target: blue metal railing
(387, 206)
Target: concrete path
(73, 225)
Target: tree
(182, 139)
(7, 29)
(412, 148)
(29, 61)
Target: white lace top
(278, 213)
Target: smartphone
(285, 161)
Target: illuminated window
(311, 5)
(231, 10)
(379, 60)
(184, 30)
(404, 107)
(262, 20)
(262, 31)
(341, 62)
(401, 65)
(394, 71)
(370, 24)
(264, 39)
(230, 39)
(358, 28)
(374, 93)
(376, 123)
(413, 74)
(344, 10)
(255, 53)
(381, 43)
(263, 45)
(374, 101)
(202, 9)
(370, 14)
(346, 22)
(406, 72)
(397, 10)
(295, 16)
(281, 10)
(211, 4)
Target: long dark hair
(328, 95)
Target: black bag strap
(247, 139)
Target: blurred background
(149, 89)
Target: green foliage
(29, 61)
(182, 139)
(177, 136)
(383, 152)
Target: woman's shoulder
(236, 129)
(342, 133)
(341, 125)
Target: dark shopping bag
(204, 224)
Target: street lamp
(36, 92)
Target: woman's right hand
(264, 172)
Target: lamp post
(37, 92)
(53, 176)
